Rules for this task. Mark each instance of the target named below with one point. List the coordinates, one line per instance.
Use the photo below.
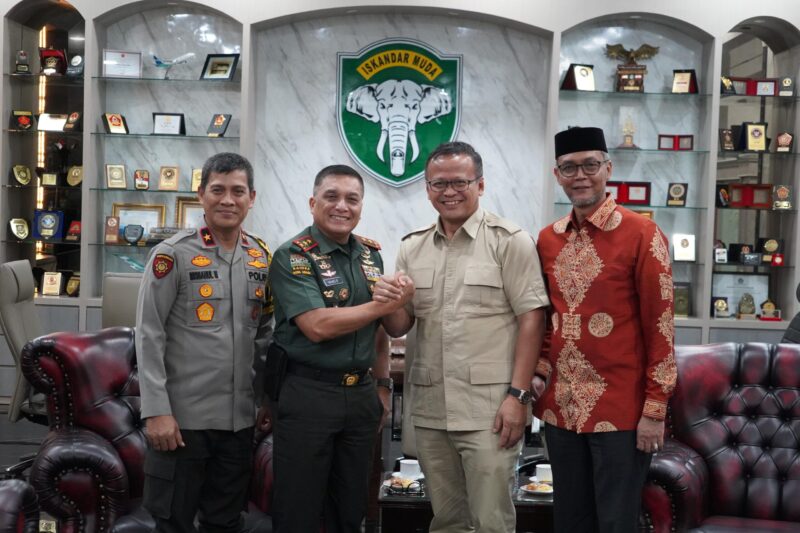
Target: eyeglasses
(590, 168)
(457, 185)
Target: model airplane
(169, 63)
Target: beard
(587, 202)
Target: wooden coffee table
(412, 514)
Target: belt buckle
(348, 380)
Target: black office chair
(792, 334)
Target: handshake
(394, 290)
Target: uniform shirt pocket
(489, 383)
(419, 378)
(204, 303)
(483, 289)
(423, 289)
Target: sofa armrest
(675, 495)
(19, 507)
(80, 480)
(262, 479)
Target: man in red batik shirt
(608, 359)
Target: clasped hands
(396, 289)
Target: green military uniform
(202, 323)
(328, 412)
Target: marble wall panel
(503, 115)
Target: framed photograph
(189, 212)
(219, 67)
(122, 64)
(115, 177)
(168, 179)
(146, 215)
(168, 124)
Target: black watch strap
(385, 382)
(523, 396)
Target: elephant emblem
(399, 105)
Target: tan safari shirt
(469, 291)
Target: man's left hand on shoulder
(650, 435)
(510, 421)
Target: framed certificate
(168, 179)
(756, 136)
(638, 193)
(766, 87)
(168, 124)
(219, 67)
(122, 64)
(51, 122)
(189, 212)
(115, 177)
(684, 82)
(146, 215)
(683, 247)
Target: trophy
(781, 197)
(133, 233)
(676, 194)
(74, 285)
(630, 75)
(74, 175)
(22, 174)
(720, 252)
(628, 130)
(19, 228)
(75, 68)
(769, 311)
(22, 66)
(111, 235)
(48, 224)
(785, 141)
(74, 231)
(51, 283)
(141, 180)
(747, 307)
(721, 309)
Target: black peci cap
(580, 140)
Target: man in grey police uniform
(204, 310)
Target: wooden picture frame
(189, 212)
(147, 215)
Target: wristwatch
(385, 382)
(523, 396)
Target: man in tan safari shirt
(479, 311)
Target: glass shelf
(158, 136)
(51, 80)
(43, 241)
(577, 95)
(736, 267)
(170, 80)
(750, 156)
(726, 99)
(34, 132)
(144, 247)
(46, 187)
(653, 151)
(631, 206)
(765, 210)
(151, 191)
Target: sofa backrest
(91, 382)
(738, 406)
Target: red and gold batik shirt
(608, 354)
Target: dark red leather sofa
(89, 472)
(19, 508)
(731, 461)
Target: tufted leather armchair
(89, 472)
(19, 509)
(731, 462)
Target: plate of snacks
(537, 488)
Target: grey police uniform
(202, 315)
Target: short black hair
(225, 163)
(337, 170)
(457, 148)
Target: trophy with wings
(630, 75)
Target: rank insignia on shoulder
(208, 239)
(253, 252)
(368, 242)
(205, 312)
(201, 261)
(305, 243)
(257, 264)
(206, 290)
(162, 265)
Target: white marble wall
(503, 115)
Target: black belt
(347, 379)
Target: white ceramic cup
(544, 474)
(409, 468)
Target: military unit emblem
(162, 265)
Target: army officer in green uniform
(328, 411)
(203, 311)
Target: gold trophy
(628, 129)
(630, 75)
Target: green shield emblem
(397, 100)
